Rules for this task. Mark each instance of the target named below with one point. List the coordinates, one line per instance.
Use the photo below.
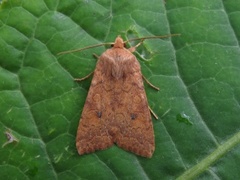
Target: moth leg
(154, 87)
(132, 49)
(152, 112)
(81, 79)
(150, 84)
(96, 56)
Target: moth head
(119, 43)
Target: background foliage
(197, 135)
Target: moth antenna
(103, 44)
(81, 49)
(152, 37)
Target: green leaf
(197, 72)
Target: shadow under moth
(116, 108)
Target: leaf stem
(212, 158)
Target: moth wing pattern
(116, 109)
(92, 134)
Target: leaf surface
(197, 72)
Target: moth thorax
(117, 71)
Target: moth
(116, 108)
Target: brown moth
(116, 109)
